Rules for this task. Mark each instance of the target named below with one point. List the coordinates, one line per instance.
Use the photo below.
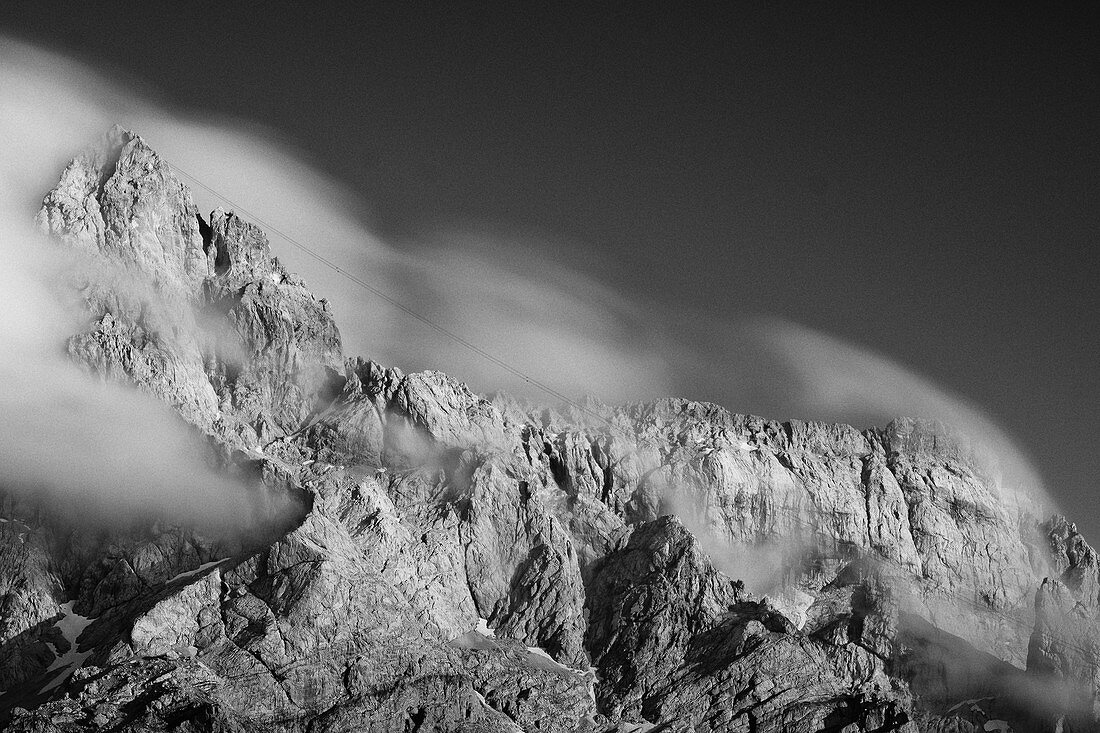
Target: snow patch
(71, 625)
(200, 569)
(484, 630)
(480, 637)
(540, 659)
(792, 603)
(483, 637)
(973, 703)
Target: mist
(82, 447)
(528, 299)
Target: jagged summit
(473, 565)
(122, 200)
(180, 275)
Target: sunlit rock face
(199, 314)
(454, 562)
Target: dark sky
(923, 181)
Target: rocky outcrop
(451, 562)
(196, 313)
(1066, 641)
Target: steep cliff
(450, 562)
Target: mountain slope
(658, 563)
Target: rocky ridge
(453, 562)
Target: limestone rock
(121, 200)
(452, 562)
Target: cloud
(92, 449)
(545, 319)
(504, 294)
(95, 451)
(525, 299)
(858, 385)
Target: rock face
(462, 564)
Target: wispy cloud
(523, 299)
(833, 377)
(94, 450)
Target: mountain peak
(120, 199)
(454, 566)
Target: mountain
(423, 558)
